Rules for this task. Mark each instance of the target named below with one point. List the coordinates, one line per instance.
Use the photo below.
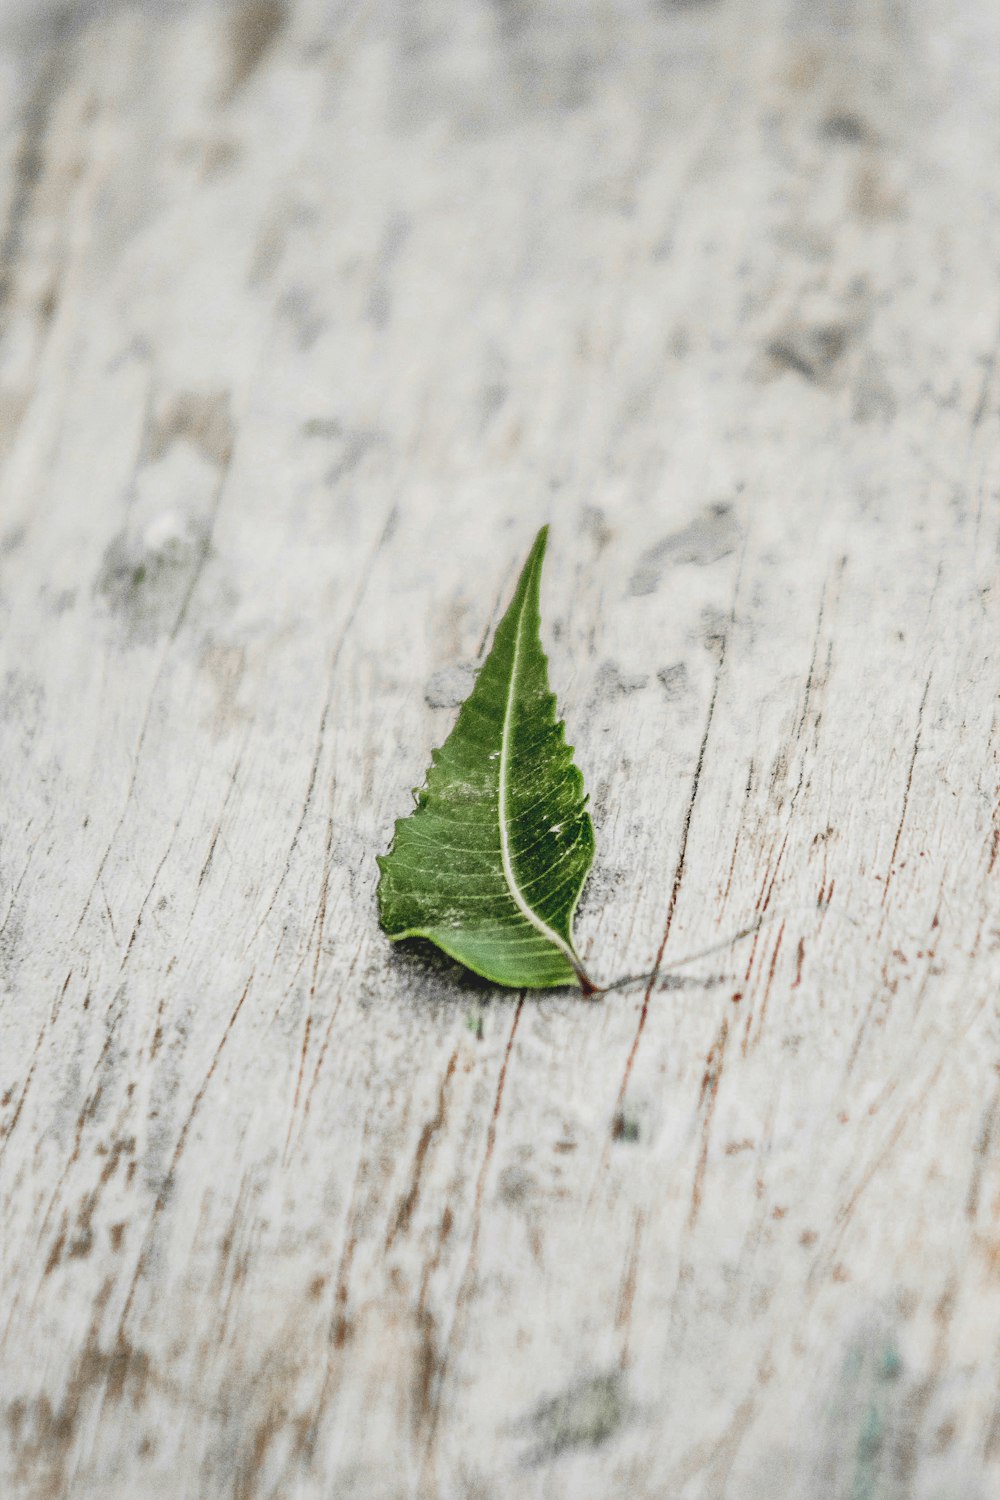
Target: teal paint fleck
(869, 1446)
(875, 1374)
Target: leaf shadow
(417, 963)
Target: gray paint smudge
(711, 536)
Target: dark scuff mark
(299, 308)
(451, 686)
(29, 161)
(625, 1126)
(845, 128)
(145, 586)
(711, 536)
(511, 18)
(611, 682)
(254, 28)
(148, 577)
(674, 680)
(12, 540)
(585, 1415)
(542, 64)
(22, 700)
(356, 447)
(491, 400)
(713, 629)
(810, 351)
(397, 232)
(594, 525)
(515, 1186)
(321, 427)
(354, 444)
(873, 400)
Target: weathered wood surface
(308, 317)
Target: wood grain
(310, 314)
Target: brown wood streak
(87, 1112)
(162, 1196)
(891, 867)
(717, 1456)
(810, 676)
(984, 1142)
(800, 954)
(293, 1190)
(339, 1330)
(145, 900)
(762, 1013)
(707, 1097)
(848, 1208)
(172, 638)
(433, 1403)
(16, 890)
(883, 997)
(771, 875)
(216, 831)
(318, 929)
(431, 1128)
(736, 843)
(105, 1373)
(364, 580)
(923, 1390)
(626, 1293)
(325, 1043)
(18, 1108)
(675, 885)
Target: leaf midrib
(502, 812)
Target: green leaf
(491, 862)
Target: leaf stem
(588, 989)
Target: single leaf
(491, 862)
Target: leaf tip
(540, 543)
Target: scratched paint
(308, 317)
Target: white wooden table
(309, 316)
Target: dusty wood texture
(308, 317)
